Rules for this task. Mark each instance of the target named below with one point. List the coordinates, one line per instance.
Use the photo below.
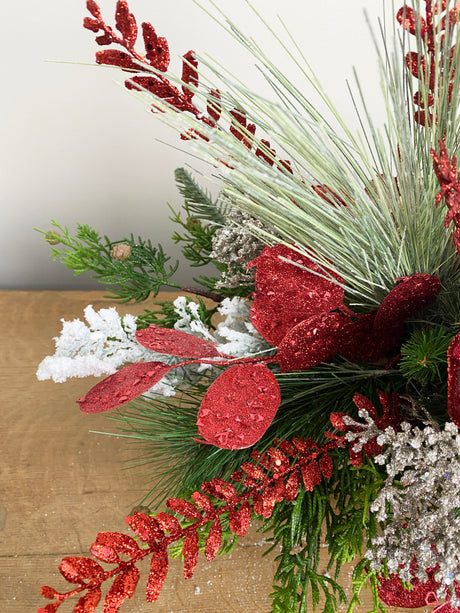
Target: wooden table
(60, 485)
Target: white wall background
(77, 148)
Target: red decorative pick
(453, 380)
(287, 293)
(239, 406)
(123, 386)
(175, 342)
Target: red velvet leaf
(121, 543)
(214, 106)
(115, 57)
(453, 380)
(287, 293)
(239, 520)
(94, 9)
(189, 73)
(49, 592)
(202, 501)
(147, 528)
(88, 603)
(190, 553)
(157, 575)
(175, 342)
(76, 570)
(213, 540)
(122, 588)
(123, 386)
(125, 22)
(312, 341)
(156, 47)
(187, 509)
(239, 406)
(292, 486)
(326, 465)
(311, 474)
(169, 522)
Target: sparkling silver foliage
(419, 501)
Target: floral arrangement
(314, 381)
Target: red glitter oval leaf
(187, 509)
(123, 386)
(120, 543)
(75, 570)
(239, 406)
(292, 486)
(239, 520)
(122, 588)
(326, 465)
(156, 47)
(104, 553)
(147, 528)
(453, 380)
(214, 106)
(311, 342)
(287, 293)
(213, 540)
(190, 553)
(311, 474)
(125, 22)
(175, 342)
(49, 592)
(408, 297)
(115, 57)
(88, 603)
(189, 73)
(94, 9)
(170, 523)
(407, 18)
(202, 501)
(157, 574)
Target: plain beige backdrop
(76, 147)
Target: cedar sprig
(267, 478)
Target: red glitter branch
(269, 478)
(423, 67)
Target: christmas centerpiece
(313, 382)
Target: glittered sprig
(266, 479)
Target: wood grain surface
(60, 484)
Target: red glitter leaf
(76, 570)
(239, 520)
(214, 106)
(220, 489)
(263, 505)
(104, 39)
(125, 22)
(416, 65)
(202, 501)
(91, 24)
(287, 293)
(156, 47)
(175, 342)
(292, 486)
(408, 19)
(189, 73)
(94, 9)
(49, 592)
(362, 402)
(123, 386)
(115, 57)
(213, 540)
(311, 474)
(120, 543)
(157, 574)
(104, 553)
(338, 422)
(187, 509)
(326, 465)
(147, 528)
(312, 341)
(161, 89)
(393, 594)
(453, 380)
(170, 523)
(122, 588)
(50, 608)
(88, 603)
(190, 553)
(239, 406)
(265, 152)
(411, 295)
